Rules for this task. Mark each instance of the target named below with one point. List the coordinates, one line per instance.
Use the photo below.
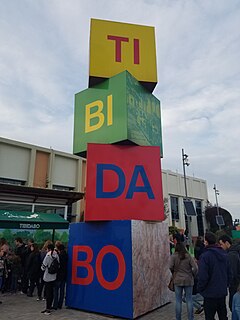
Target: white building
(174, 194)
(37, 179)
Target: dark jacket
(214, 273)
(62, 272)
(198, 250)
(34, 265)
(21, 251)
(234, 258)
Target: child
(236, 305)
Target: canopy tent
(31, 220)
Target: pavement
(20, 307)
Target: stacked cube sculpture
(118, 256)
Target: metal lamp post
(217, 194)
(185, 163)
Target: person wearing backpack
(49, 277)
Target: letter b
(97, 115)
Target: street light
(217, 194)
(185, 163)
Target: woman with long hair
(184, 269)
(33, 269)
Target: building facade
(38, 179)
(174, 195)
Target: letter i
(109, 110)
(136, 51)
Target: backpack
(54, 266)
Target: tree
(64, 237)
(173, 230)
(40, 236)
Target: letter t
(118, 40)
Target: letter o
(121, 271)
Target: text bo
(87, 264)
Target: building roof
(36, 195)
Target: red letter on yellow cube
(116, 47)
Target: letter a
(145, 188)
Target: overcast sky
(44, 58)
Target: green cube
(119, 110)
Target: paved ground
(21, 307)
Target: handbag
(171, 282)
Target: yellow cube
(116, 47)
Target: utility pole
(185, 163)
(217, 194)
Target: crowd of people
(25, 268)
(205, 280)
(202, 282)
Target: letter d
(100, 193)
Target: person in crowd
(236, 305)
(33, 269)
(3, 268)
(171, 243)
(59, 289)
(21, 251)
(179, 237)
(198, 248)
(214, 276)
(48, 278)
(15, 266)
(197, 298)
(57, 244)
(26, 280)
(233, 251)
(7, 276)
(186, 239)
(4, 246)
(42, 288)
(184, 268)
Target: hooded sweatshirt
(234, 258)
(47, 277)
(214, 272)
